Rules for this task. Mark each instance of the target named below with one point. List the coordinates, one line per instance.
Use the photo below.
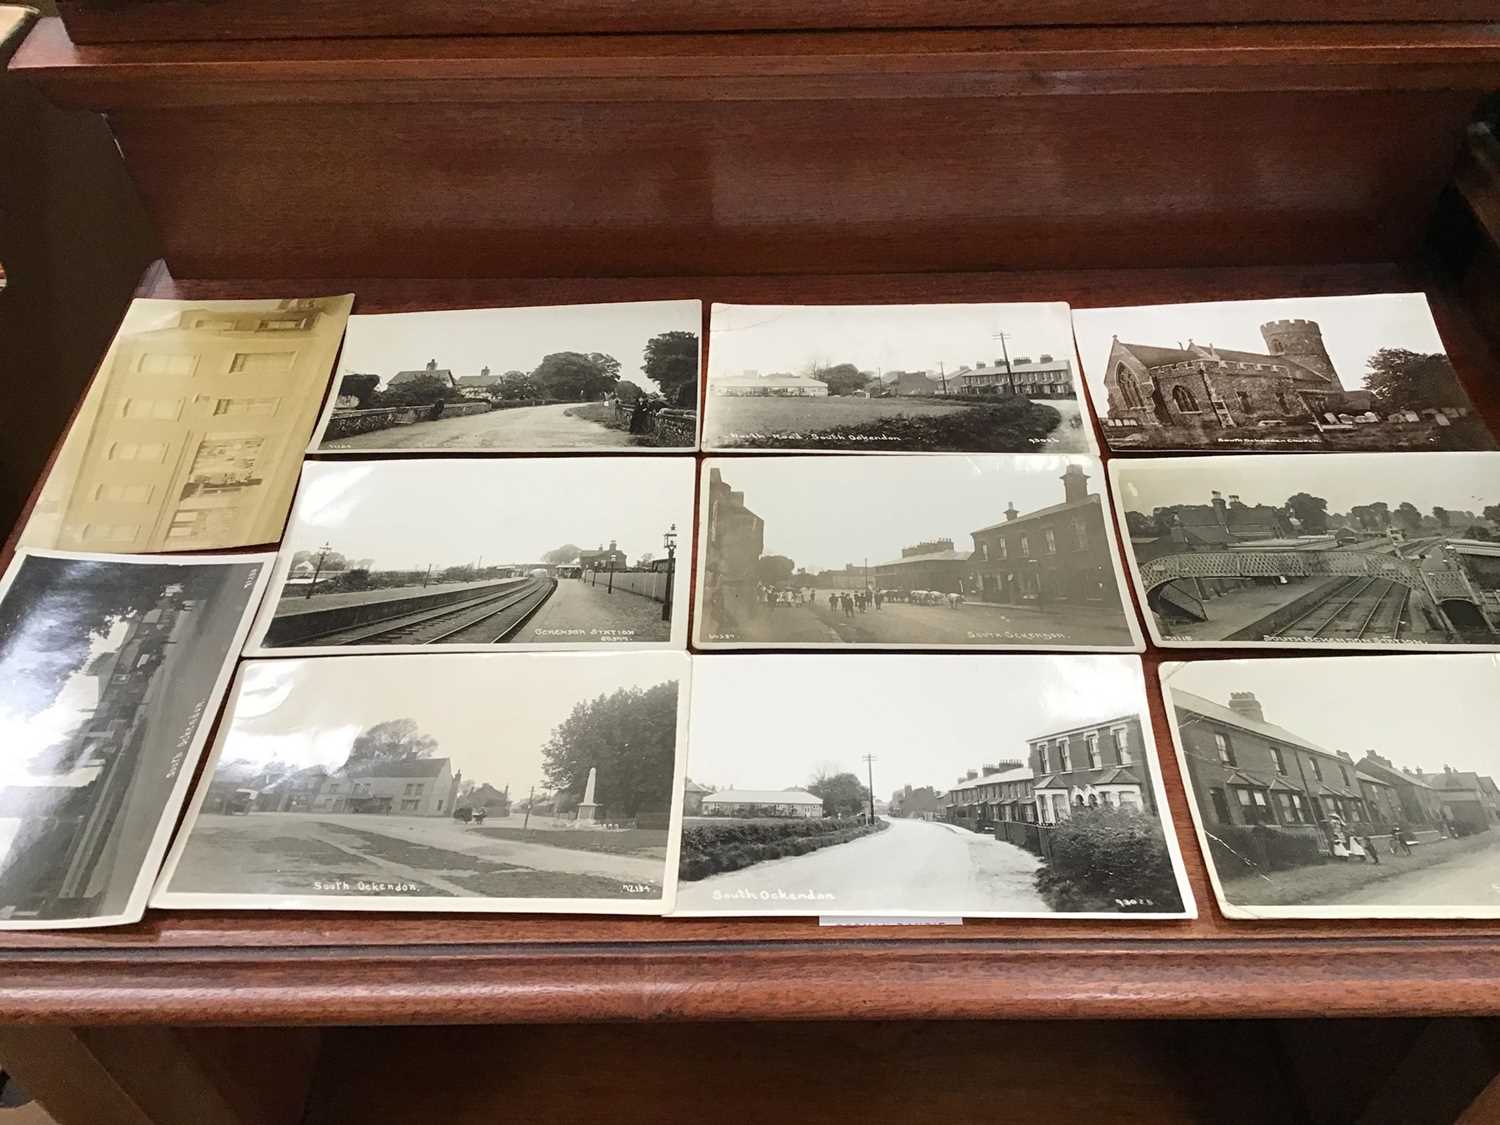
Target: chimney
(1344, 754)
(484, 372)
(1220, 512)
(432, 365)
(1045, 358)
(612, 546)
(1010, 511)
(1075, 484)
(970, 775)
(1244, 703)
(1234, 500)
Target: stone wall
(346, 423)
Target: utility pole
(869, 761)
(943, 378)
(1009, 374)
(531, 800)
(426, 578)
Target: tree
(843, 794)
(395, 740)
(1140, 525)
(560, 556)
(671, 362)
(1408, 515)
(422, 390)
(630, 738)
(1105, 855)
(1480, 532)
(1492, 513)
(359, 386)
(1405, 380)
(1440, 514)
(842, 378)
(627, 392)
(517, 384)
(1310, 512)
(773, 570)
(576, 376)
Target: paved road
(913, 865)
(525, 427)
(1466, 880)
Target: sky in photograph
(1354, 328)
(770, 722)
(491, 714)
(787, 338)
(823, 512)
(405, 515)
(1460, 481)
(1418, 711)
(466, 340)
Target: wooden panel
(341, 968)
(104, 21)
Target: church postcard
(466, 783)
(1345, 550)
(954, 378)
(1294, 375)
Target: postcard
(605, 377)
(190, 437)
(1296, 375)
(480, 782)
(926, 786)
(915, 551)
(1324, 804)
(421, 555)
(988, 378)
(1358, 550)
(112, 668)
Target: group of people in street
(849, 603)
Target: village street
(524, 427)
(1472, 879)
(924, 865)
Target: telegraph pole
(1009, 374)
(531, 800)
(943, 378)
(869, 761)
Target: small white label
(877, 920)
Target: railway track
(1352, 609)
(488, 620)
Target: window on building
(1130, 390)
(1122, 745)
(1025, 546)
(1255, 807)
(1043, 758)
(246, 407)
(1225, 748)
(1129, 799)
(1184, 400)
(1051, 540)
(124, 493)
(1221, 806)
(1081, 534)
(285, 324)
(166, 363)
(262, 363)
(1282, 403)
(1317, 769)
(1279, 758)
(1291, 807)
(137, 451)
(410, 806)
(1244, 398)
(1344, 774)
(151, 409)
(194, 523)
(1003, 551)
(109, 532)
(1091, 740)
(1064, 755)
(984, 551)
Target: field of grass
(872, 424)
(629, 841)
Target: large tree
(423, 390)
(1442, 515)
(843, 794)
(395, 740)
(1408, 515)
(1310, 512)
(1402, 379)
(1492, 513)
(359, 386)
(774, 569)
(517, 384)
(560, 556)
(671, 362)
(1140, 525)
(842, 378)
(576, 376)
(630, 738)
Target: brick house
(1416, 800)
(416, 787)
(733, 541)
(1469, 800)
(1055, 554)
(933, 565)
(1045, 378)
(1097, 764)
(920, 803)
(985, 797)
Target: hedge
(712, 849)
(1108, 859)
(1265, 847)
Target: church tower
(1302, 341)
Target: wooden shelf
(322, 968)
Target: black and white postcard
(978, 378)
(479, 782)
(465, 555)
(112, 668)
(1343, 787)
(518, 380)
(1294, 375)
(1359, 550)
(929, 786)
(1001, 552)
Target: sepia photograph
(190, 436)
(1293, 375)
(479, 782)
(926, 786)
(420, 555)
(1011, 552)
(1343, 787)
(518, 380)
(978, 378)
(1360, 550)
(112, 669)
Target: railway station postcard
(1343, 787)
(112, 669)
(611, 377)
(1000, 551)
(422, 555)
(954, 378)
(1294, 375)
(1351, 550)
(190, 436)
(530, 782)
(858, 787)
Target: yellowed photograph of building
(191, 434)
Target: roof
(694, 787)
(1118, 775)
(409, 376)
(478, 380)
(763, 797)
(931, 556)
(410, 767)
(1380, 769)
(1153, 356)
(1085, 726)
(1455, 780)
(1474, 547)
(1018, 773)
(1066, 505)
(1187, 701)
